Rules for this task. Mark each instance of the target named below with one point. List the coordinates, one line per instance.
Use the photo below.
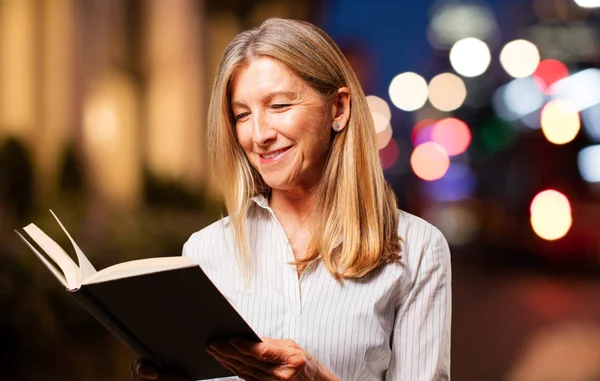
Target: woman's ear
(341, 109)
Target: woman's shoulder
(420, 239)
(216, 228)
(210, 236)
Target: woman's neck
(293, 207)
(294, 213)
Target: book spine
(95, 307)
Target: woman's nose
(263, 131)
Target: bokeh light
(550, 215)
(101, 124)
(459, 223)
(421, 132)
(429, 161)
(500, 107)
(588, 162)
(383, 137)
(549, 72)
(457, 184)
(447, 92)
(452, 134)
(560, 121)
(497, 135)
(588, 3)
(591, 122)
(519, 98)
(532, 120)
(581, 89)
(519, 58)
(453, 21)
(380, 110)
(408, 91)
(470, 57)
(389, 154)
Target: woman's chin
(279, 179)
(278, 185)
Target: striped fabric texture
(393, 324)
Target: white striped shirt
(393, 324)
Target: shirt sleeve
(421, 337)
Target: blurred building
(121, 85)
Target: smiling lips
(271, 156)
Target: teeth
(272, 155)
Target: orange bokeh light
(452, 134)
(560, 121)
(550, 215)
(430, 161)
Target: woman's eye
(279, 106)
(238, 117)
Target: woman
(315, 254)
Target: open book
(166, 309)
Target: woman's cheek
(286, 120)
(244, 136)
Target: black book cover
(168, 317)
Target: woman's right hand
(144, 371)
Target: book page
(85, 266)
(139, 267)
(61, 278)
(57, 254)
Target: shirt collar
(261, 201)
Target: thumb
(145, 370)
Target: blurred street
(525, 326)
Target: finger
(144, 370)
(275, 371)
(280, 358)
(136, 377)
(232, 370)
(290, 343)
(270, 352)
(278, 342)
(250, 378)
(246, 370)
(228, 350)
(133, 376)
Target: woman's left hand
(270, 360)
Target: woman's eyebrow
(266, 98)
(274, 94)
(237, 103)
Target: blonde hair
(355, 228)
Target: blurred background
(488, 123)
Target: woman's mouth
(272, 156)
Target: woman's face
(283, 125)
